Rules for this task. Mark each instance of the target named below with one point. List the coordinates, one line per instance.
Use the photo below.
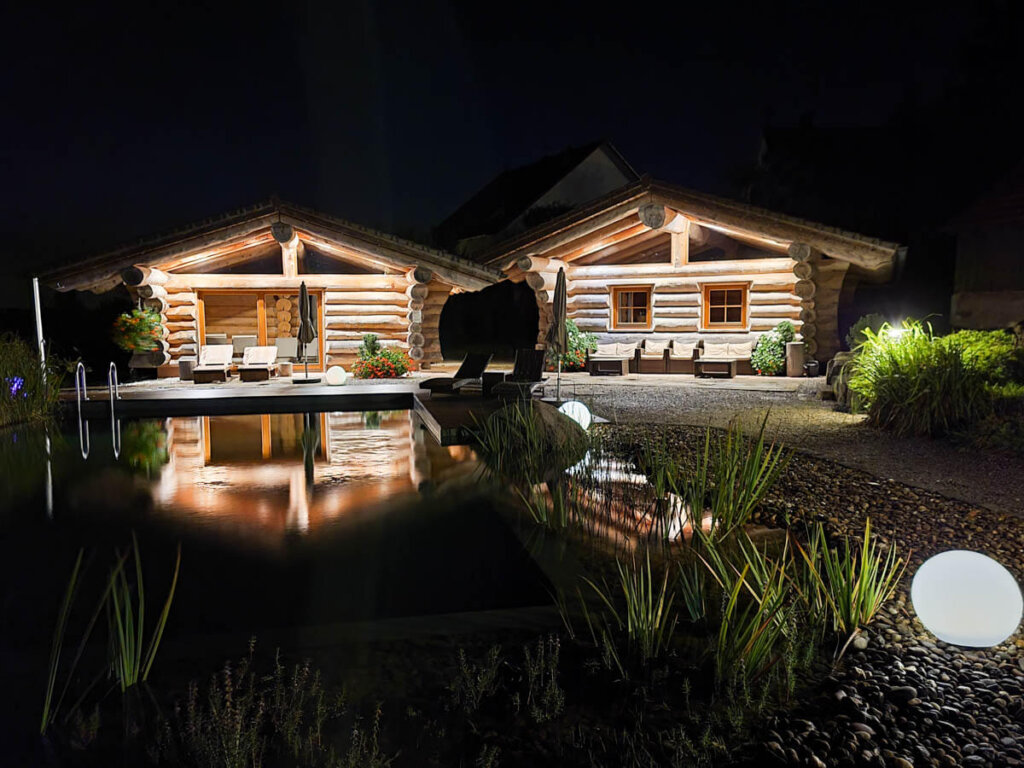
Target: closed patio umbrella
(557, 339)
(307, 333)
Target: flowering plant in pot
(137, 331)
(575, 357)
(379, 362)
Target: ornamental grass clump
(636, 619)
(845, 587)
(910, 382)
(379, 362)
(27, 394)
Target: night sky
(123, 122)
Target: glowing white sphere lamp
(336, 376)
(966, 598)
(578, 412)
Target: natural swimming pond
(284, 520)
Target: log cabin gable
(695, 253)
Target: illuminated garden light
(578, 412)
(336, 376)
(966, 598)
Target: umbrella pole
(558, 380)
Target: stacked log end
(424, 317)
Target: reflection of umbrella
(307, 333)
(556, 338)
(310, 444)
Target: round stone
(966, 598)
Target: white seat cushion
(259, 356)
(216, 355)
(626, 349)
(741, 350)
(606, 350)
(715, 350)
(653, 348)
(682, 350)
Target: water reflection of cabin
(236, 280)
(251, 469)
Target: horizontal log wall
(677, 296)
(353, 309)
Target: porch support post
(39, 327)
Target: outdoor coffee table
(608, 366)
(724, 368)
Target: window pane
(734, 297)
(717, 314)
(716, 298)
(640, 316)
(640, 299)
(623, 316)
(734, 314)
(625, 298)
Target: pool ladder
(82, 393)
(113, 395)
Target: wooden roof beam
(625, 248)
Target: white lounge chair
(258, 363)
(243, 342)
(214, 364)
(287, 348)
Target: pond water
(284, 520)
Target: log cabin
(238, 276)
(654, 260)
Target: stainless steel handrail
(114, 395)
(82, 393)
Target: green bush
(855, 336)
(575, 357)
(769, 355)
(137, 331)
(25, 394)
(994, 353)
(1003, 428)
(913, 383)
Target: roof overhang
(243, 229)
(870, 258)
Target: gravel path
(798, 418)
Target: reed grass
(851, 582)
(640, 606)
(735, 473)
(50, 707)
(131, 657)
(63, 614)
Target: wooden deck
(451, 419)
(170, 397)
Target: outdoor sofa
(724, 359)
(214, 364)
(258, 363)
(613, 359)
(651, 356)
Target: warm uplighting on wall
(965, 598)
